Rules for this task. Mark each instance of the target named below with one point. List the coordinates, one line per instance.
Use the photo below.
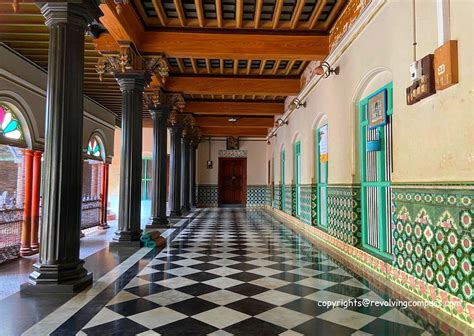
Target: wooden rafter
(333, 15)
(276, 13)
(249, 66)
(194, 65)
(316, 12)
(236, 67)
(199, 13)
(297, 13)
(239, 11)
(208, 65)
(262, 66)
(160, 12)
(180, 65)
(258, 12)
(289, 67)
(221, 66)
(180, 12)
(275, 67)
(219, 13)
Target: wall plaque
(377, 109)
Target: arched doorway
(20, 178)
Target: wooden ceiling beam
(125, 26)
(333, 14)
(224, 85)
(244, 108)
(233, 131)
(241, 122)
(229, 46)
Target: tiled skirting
(433, 237)
(404, 285)
(208, 195)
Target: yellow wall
(433, 139)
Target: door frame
(320, 184)
(244, 182)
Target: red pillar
(104, 194)
(35, 201)
(25, 249)
(94, 180)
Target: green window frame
(297, 173)
(322, 181)
(282, 179)
(374, 189)
(146, 178)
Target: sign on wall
(377, 109)
(323, 144)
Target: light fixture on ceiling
(280, 122)
(232, 119)
(296, 103)
(325, 70)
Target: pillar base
(176, 213)
(25, 252)
(104, 226)
(158, 223)
(126, 239)
(66, 279)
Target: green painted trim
(146, 181)
(322, 184)
(297, 174)
(382, 182)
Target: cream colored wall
(256, 161)
(433, 139)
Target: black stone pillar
(59, 268)
(192, 173)
(158, 217)
(132, 84)
(175, 170)
(185, 169)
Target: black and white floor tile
(236, 272)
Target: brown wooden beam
(226, 85)
(229, 46)
(234, 131)
(234, 108)
(263, 122)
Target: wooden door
(232, 180)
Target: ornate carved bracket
(129, 59)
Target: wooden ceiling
(229, 58)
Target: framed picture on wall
(377, 109)
(232, 143)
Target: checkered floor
(238, 272)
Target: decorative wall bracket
(129, 59)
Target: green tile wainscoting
(277, 197)
(289, 199)
(208, 195)
(433, 237)
(344, 217)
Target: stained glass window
(93, 148)
(9, 124)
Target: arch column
(25, 249)
(35, 201)
(59, 268)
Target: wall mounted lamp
(296, 103)
(325, 70)
(280, 122)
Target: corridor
(233, 271)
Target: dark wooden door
(232, 180)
